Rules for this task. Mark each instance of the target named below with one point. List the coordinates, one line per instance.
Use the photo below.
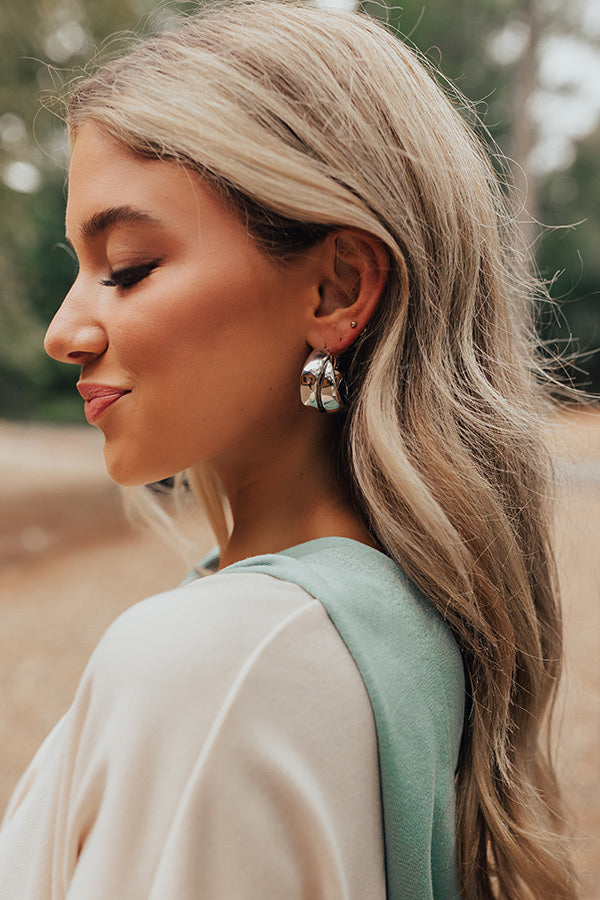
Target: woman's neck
(274, 533)
(287, 497)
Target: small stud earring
(353, 324)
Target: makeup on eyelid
(129, 276)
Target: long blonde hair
(306, 120)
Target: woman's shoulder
(214, 623)
(176, 666)
(217, 600)
(202, 711)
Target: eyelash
(129, 277)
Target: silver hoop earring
(321, 382)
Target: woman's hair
(306, 120)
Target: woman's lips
(98, 397)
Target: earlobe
(355, 267)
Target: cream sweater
(221, 745)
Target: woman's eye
(130, 276)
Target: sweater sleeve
(221, 745)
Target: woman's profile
(300, 285)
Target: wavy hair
(305, 121)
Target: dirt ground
(70, 565)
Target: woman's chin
(129, 472)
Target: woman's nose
(74, 336)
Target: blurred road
(70, 564)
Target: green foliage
(569, 205)
(40, 43)
(458, 37)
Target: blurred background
(530, 67)
(70, 563)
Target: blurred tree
(569, 255)
(512, 59)
(40, 40)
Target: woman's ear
(354, 270)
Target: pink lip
(98, 397)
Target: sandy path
(70, 565)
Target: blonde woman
(298, 282)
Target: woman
(266, 183)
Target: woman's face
(190, 340)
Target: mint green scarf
(413, 673)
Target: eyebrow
(115, 215)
